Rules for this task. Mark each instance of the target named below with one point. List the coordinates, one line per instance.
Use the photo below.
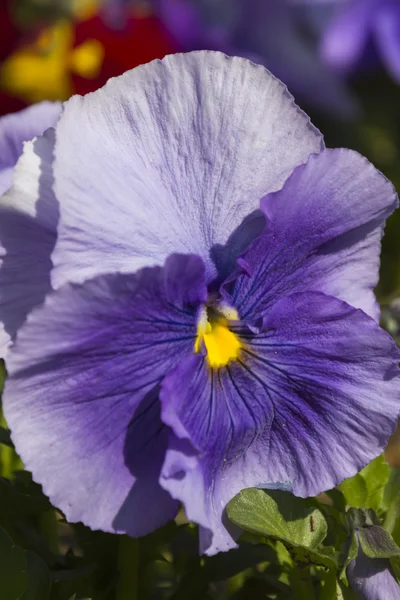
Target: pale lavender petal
(311, 400)
(323, 234)
(20, 127)
(28, 223)
(81, 398)
(28, 215)
(170, 157)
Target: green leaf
(395, 564)
(376, 542)
(23, 574)
(391, 501)
(279, 515)
(13, 568)
(345, 592)
(283, 555)
(325, 556)
(329, 586)
(371, 518)
(392, 489)
(39, 578)
(348, 553)
(367, 487)
(355, 491)
(375, 475)
(355, 518)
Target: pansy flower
(212, 324)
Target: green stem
(128, 566)
(7, 454)
(7, 458)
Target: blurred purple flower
(205, 332)
(273, 33)
(372, 578)
(357, 24)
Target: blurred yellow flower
(43, 70)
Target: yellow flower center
(222, 345)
